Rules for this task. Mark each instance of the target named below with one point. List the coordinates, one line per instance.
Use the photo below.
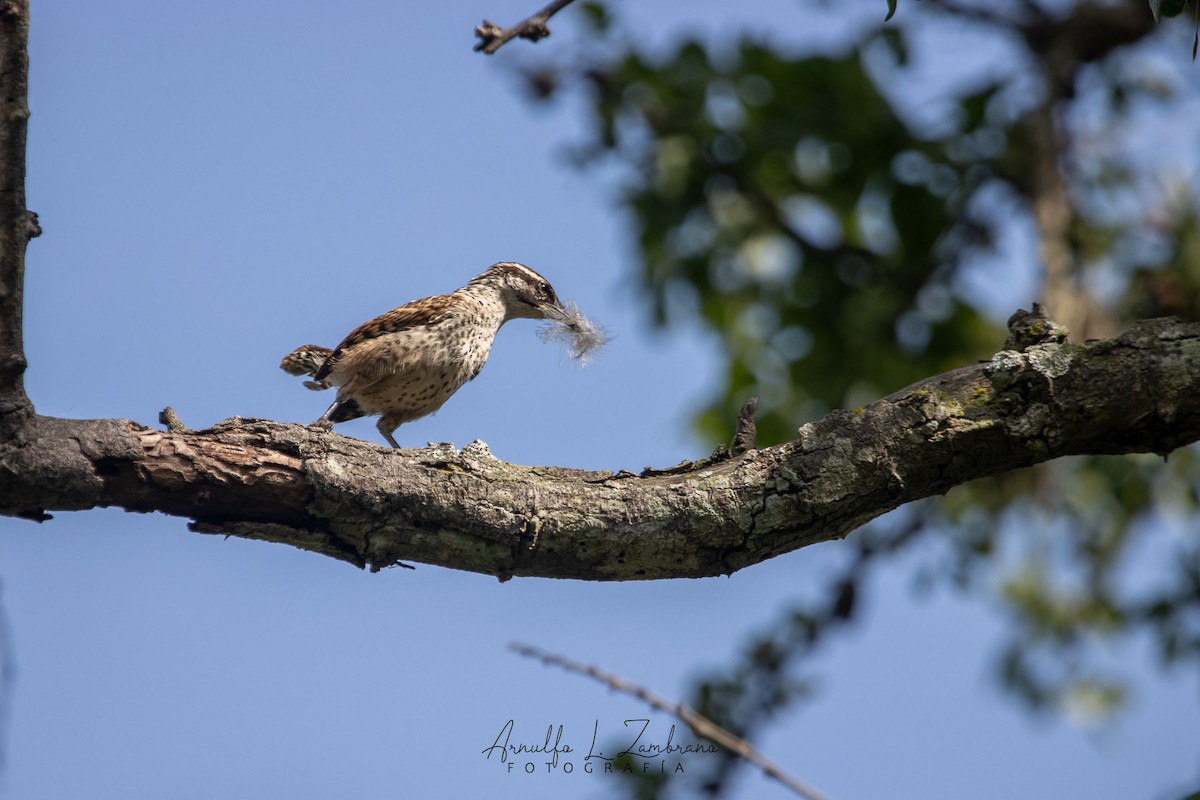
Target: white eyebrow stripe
(529, 273)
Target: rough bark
(17, 226)
(373, 506)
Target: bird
(404, 364)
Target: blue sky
(220, 182)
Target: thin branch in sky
(701, 725)
(492, 37)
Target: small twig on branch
(492, 37)
(174, 424)
(701, 726)
(746, 437)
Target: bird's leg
(323, 420)
(386, 427)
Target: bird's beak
(554, 312)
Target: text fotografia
(641, 750)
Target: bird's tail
(306, 360)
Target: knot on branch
(535, 31)
(1029, 328)
(478, 449)
(1025, 380)
(1032, 359)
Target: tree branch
(492, 37)
(701, 725)
(372, 506)
(465, 509)
(17, 225)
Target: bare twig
(746, 437)
(701, 726)
(492, 37)
(174, 424)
